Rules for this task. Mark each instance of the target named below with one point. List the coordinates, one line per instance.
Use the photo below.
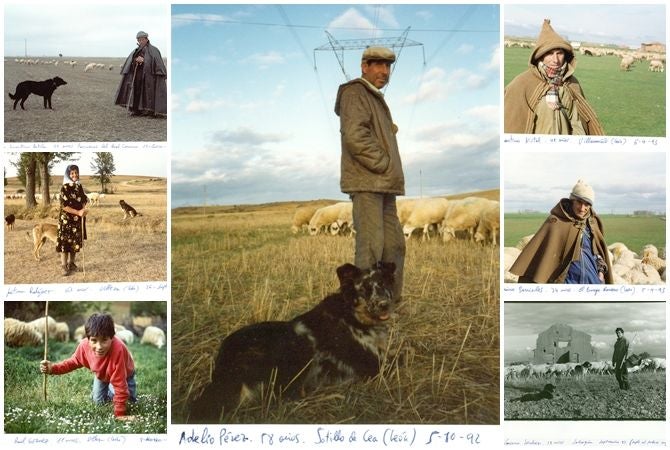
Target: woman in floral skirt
(71, 219)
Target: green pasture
(627, 103)
(69, 409)
(635, 232)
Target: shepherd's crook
(46, 345)
(83, 259)
(132, 87)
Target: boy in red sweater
(108, 358)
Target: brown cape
(547, 257)
(524, 92)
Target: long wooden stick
(83, 259)
(46, 345)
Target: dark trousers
(621, 374)
(379, 234)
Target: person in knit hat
(547, 98)
(570, 245)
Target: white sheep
(93, 198)
(126, 336)
(19, 334)
(62, 332)
(345, 221)
(89, 67)
(324, 217)
(38, 325)
(404, 208)
(79, 333)
(650, 256)
(302, 216)
(656, 65)
(426, 213)
(488, 228)
(153, 336)
(462, 215)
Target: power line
(318, 27)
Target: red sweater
(114, 368)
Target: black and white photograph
(584, 361)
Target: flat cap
(141, 34)
(378, 54)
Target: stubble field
(117, 250)
(232, 266)
(83, 109)
(591, 397)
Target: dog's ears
(347, 272)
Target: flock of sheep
(473, 218)
(627, 266)
(20, 334)
(546, 370)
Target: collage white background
(510, 434)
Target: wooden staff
(83, 260)
(46, 345)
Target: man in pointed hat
(143, 87)
(569, 246)
(371, 169)
(547, 98)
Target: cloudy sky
(627, 25)
(76, 29)
(252, 103)
(622, 181)
(127, 162)
(643, 323)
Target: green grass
(635, 232)
(69, 408)
(627, 103)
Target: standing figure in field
(569, 247)
(619, 359)
(143, 89)
(71, 220)
(547, 98)
(371, 169)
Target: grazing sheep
(324, 217)
(345, 221)
(89, 67)
(62, 332)
(404, 209)
(126, 336)
(94, 198)
(656, 65)
(462, 215)
(19, 334)
(426, 213)
(153, 336)
(626, 63)
(38, 325)
(302, 216)
(79, 333)
(488, 229)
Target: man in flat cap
(619, 359)
(547, 98)
(143, 89)
(569, 247)
(371, 169)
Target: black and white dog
(44, 88)
(342, 338)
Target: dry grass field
(236, 265)
(133, 250)
(83, 109)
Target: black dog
(128, 211)
(44, 88)
(546, 393)
(342, 338)
(9, 221)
